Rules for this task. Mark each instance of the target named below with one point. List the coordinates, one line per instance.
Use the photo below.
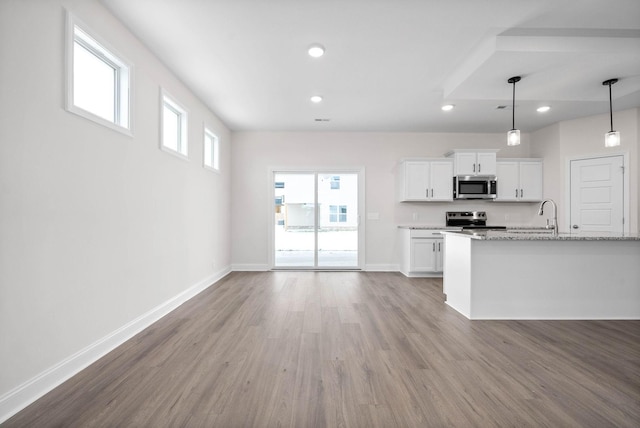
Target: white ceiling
(390, 64)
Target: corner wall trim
(23, 395)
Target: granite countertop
(528, 234)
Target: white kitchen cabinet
(426, 180)
(426, 255)
(519, 180)
(478, 162)
(422, 252)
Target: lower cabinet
(422, 251)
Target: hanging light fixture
(611, 138)
(513, 136)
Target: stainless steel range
(469, 220)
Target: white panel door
(597, 197)
(508, 181)
(441, 181)
(486, 164)
(423, 254)
(466, 163)
(530, 181)
(416, 180)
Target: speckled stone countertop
(524, 234)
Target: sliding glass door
(316, 219)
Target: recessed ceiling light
(316, 99)
(447, 107)
(316, 50)
(543, 109)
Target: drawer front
(426, 233)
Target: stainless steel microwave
(474, 187)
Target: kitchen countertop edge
(493, 235)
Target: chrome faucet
(554, 221)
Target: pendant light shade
(611, 138)
(513, 136)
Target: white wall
(253, 153)
(96, 228)
(560, 142)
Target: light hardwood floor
(350, 349)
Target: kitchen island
(536, 274)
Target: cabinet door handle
(439, 247)
(474, 167)
(426, 191)
(520, 192)
(516, 193)
(432, 193)
(434, 247)
(479, 167)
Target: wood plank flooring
(350, 349)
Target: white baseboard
(382, 268)
(20, 397)
(246, 267)
(264, 267)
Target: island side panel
(555, 279)
(456, 284)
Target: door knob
(575, 226)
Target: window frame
(183, 115)
(215, 150)
(124, 72)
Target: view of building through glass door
(316, 220)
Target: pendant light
(513, 136)
(611, 138)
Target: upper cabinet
(428, 180)
(476, 162)
(519, 180)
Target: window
(98, 80)
(335, 182)
(174, 127)
(211, 150)
(338, 213)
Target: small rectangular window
(174, 127)
(211, 150)
(335, 182)
(337, 213)
(98, 80)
